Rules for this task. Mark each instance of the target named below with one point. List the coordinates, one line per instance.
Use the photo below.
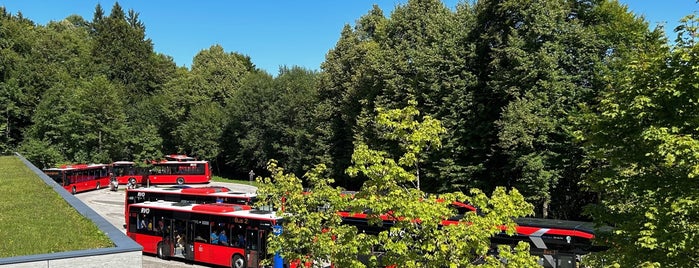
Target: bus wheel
(238, 261)
(132, 181)
(161, 251)
(73, 191)
(180, 181)
(98, 186)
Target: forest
(578, 104)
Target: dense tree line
(571, 102)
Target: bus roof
(57, 169)
(203, 190)
(586, 227)
(206, 209)
(178, 162)
(77, 167)
(123, 163)
(179, 157)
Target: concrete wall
(126, 253)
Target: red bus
(80, 177)
(126, 172)
(195, 195)
(195, 232)
(180, 172)
(162, 172)
(558, 243)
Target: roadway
(110, 205)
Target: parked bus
(219, 234)
(558, 243)
(193, 195)
(80, 177)
(180, 172)
(162, 172)
(126, 172)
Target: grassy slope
(34, 219)
(222, 179)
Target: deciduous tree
(313, 231)
(643, 146)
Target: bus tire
(98, 186)
(180, 181)
(132, 181)
(238, 261)
(161, 251)
(73, 191)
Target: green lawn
(34, 219)
(222, 179)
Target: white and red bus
(195, 232)
(80, 177)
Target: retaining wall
(126, 253)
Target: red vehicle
(195, 232)
(193, 195)
(80, 177)
(126, 172)
(180, 172)
(558, 243)
(162, 172)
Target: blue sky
(272, 33)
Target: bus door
(189, 240)
(166, 229)
(254, 242)
(180, 236)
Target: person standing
(223, 238)
(214, 237)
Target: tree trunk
(417, 174)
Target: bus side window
(134, 223)
(201, 232)
(142, 222)
(238, 236)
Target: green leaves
(411, 231)
(218, 74)
(414, 137)
(274, 118)
(203, 130)
(644, 139)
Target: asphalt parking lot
(110, 205)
